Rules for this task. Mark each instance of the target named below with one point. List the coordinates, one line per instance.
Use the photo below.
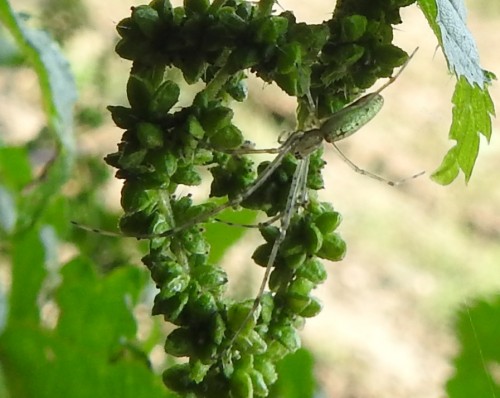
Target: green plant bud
(352, 27)
(202, 305)
(269, 29)
(123, 117)
(179, 343)
(214, 119)
(186, 175)
(331, 74)
(364, 79)
(164, 164)
(297, 303)
(293, 245)
(261, 255)
(198, 259)
(233, 175)
(138, 223)
(313, 270)
(301, 287)
(192, 67)
(315, 181)
(239, 91)
(131, 158)
(298, 322)
(379, 32)
(231, 20)
(170, 308)
(149, 135)
(266, 308)
(196, 6)
(126, 28)
(209, 277)
(238, 313)
(203, 156)
(242, 58)
(312, 309)
(161, 272)
(174, 285)
(147, 20)
(179, 14)
(294, 261)
(195, 211)
(267, 369)
(113, 159)
(270, 233)
(218, 329)
(278, 278)
(259, 385)
(328, 222)
(193, 242)
(390, 55)
(132, 49)
(135, 197)
(289, 57)
(241, 385)
(139, 94)
(333, 248)
(178, 378)
(194, 127)
(164, 98)
(229, 137)
(198, 370)
(244, 362)
(312, 38)
(313, 238)
(289, 337)
(257, 344)
(163, 7)
(276, 350)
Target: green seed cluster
(164, 147)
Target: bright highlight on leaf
(473, 107)
(472, 113)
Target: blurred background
(416, 253)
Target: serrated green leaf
(87, 300)
(478, 328)
(448, 20)
(472, 112)
(59, 96)
(89, 358)
(448, 170)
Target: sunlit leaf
(472, 112)
(476, 365)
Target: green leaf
(222, 236)
(448, 20)
(87, 300)
(478, 328)
(87, 354)
(472, 113)
(15, 167)
(295, 376)
(28, 274)
(59, 96)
